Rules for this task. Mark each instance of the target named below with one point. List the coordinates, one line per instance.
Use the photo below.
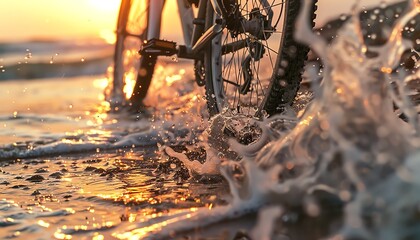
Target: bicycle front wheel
(132, 73)
(254, 65)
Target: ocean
(54, 58)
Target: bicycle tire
(285, 78)
(129, 67)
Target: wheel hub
(255, 23)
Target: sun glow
(130, 82)
(53, 19)
(107, 5)
(108, 36)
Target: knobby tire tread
(295, 55)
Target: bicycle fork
(196, 39)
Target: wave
(49, 59)
(93, 66)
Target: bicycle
(243, 50)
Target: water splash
(349, 147)
(177, 120)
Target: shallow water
(93, 169)
(85, 195)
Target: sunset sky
(25, 19)
(28, 19)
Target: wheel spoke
(262, 52)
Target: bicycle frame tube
(217, 7)
(187, 16)
(155, 18)
(193, 29)
(201, 38)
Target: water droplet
(280, 72)
(383, 4)
(28, 55)
(283, 83)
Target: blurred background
(48, 38)
(44, 19)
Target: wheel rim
(131, 31)
(227, 72)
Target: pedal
(158, 47)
